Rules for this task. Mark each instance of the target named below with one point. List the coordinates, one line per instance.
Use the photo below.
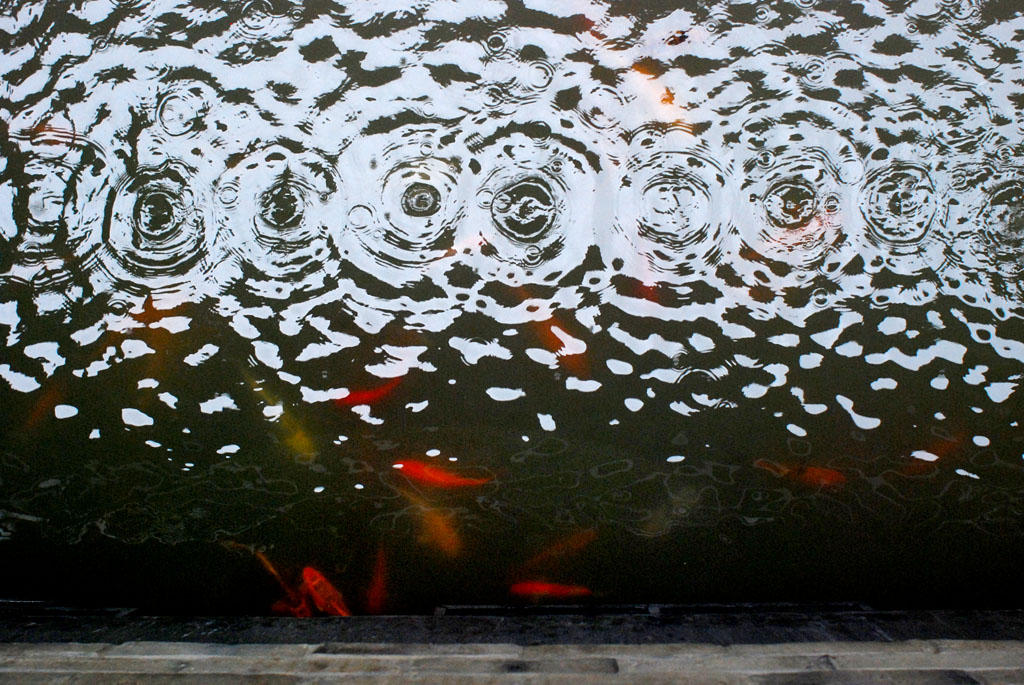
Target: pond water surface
(493, 302)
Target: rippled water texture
(661, 301)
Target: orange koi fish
(436, 527)
(570, 544)
(814, 476)
(44, 406)
(326, 597)
(369, 395)
(555, 337)
(377, 593)
(435, 476)
(536, 589)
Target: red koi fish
(435, 476)
(377, 593)
(814, 476)
(536, 589)
(369, 395)
(324, 595)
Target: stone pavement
(916, 662)
(726, 644)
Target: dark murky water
(674, 302)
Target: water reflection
(606, 282)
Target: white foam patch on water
(474, 350)
(317, 351)
(94, 434)
(401, 360)
(975, 375)
(570, 345)
(546, 422)
(573, 383)
(701, 343)
(999, 392)
(618, 367)
(168, 399)
(18, 381)
(153, 443)
(796, 430)
(9, 316)
(862, 422)
(134, 417)
(940, 349)
(779, 371)
(964, 472)
(935, 319)
(675, 459)
(311, 396)
(229, 449)
(681, 407)
(146, 383)
(981, 441)
(201, 355)
(891, 325)
(217, 403)
(940, 383)
(88, 335)
(174, 324)
(363, 412)
(755, 390)
(505, 394)
(811, 360)
(458, 11)
(136, 348)
(828, 338)
(267, 354)
(273, 411)
(417, 407)
(640, 347)
(785, 340)
(65, 411)
(923, 455)
(850, 349)
(811, 408)
(289, 378)
(542, 356)
(884, 384)
(243, 327)
(46, 351)
(633, 404)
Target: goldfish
(435, 476)
(436, 527)
(326, 597)
(939, 450)
(369, 395)
(570, 544)
(44, 406)
(377, 592)
(293, 435)
(815, 476)
(554, 336)
(296, 602)
(535, 589)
